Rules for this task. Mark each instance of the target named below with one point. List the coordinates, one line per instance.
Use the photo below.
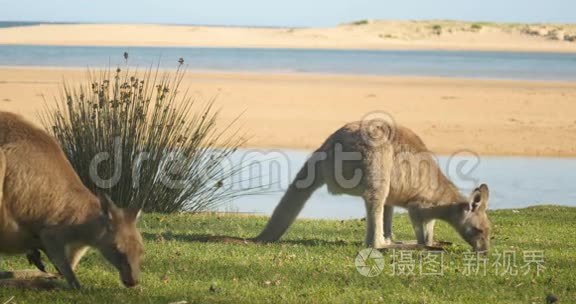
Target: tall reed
(136, 136)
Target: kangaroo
(388, 166)
(45, 206)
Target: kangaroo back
(39, 174)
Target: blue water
(468, 64)
(514, 182)
(18, 23)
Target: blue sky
(284, 13)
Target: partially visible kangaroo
(387, 165)
(44, 205)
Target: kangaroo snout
(130, 283)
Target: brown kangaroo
(387, 165)
(45, 206)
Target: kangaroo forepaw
(35, 258)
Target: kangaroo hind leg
(377, 178)
(374, 224)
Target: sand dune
(360, 35)
(301, 110)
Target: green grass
(315, 263)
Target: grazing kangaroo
(387, 166)
(44, 206)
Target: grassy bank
(315, 263)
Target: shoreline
(379, 35)
(280, 73)
(299, 111)
(335, 47)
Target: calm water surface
(467, 64)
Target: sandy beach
(440, 35)
(489, 117)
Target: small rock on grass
(551, 299)
(214, 288)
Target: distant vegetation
(412, 30)
(476, 27)
(437, 29)
(361, 22)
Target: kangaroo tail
(308, 179)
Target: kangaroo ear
(108, 207)
(479, 199)
(132, 214)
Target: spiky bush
(136, 136)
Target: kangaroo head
(471, 220)
(121, 242)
